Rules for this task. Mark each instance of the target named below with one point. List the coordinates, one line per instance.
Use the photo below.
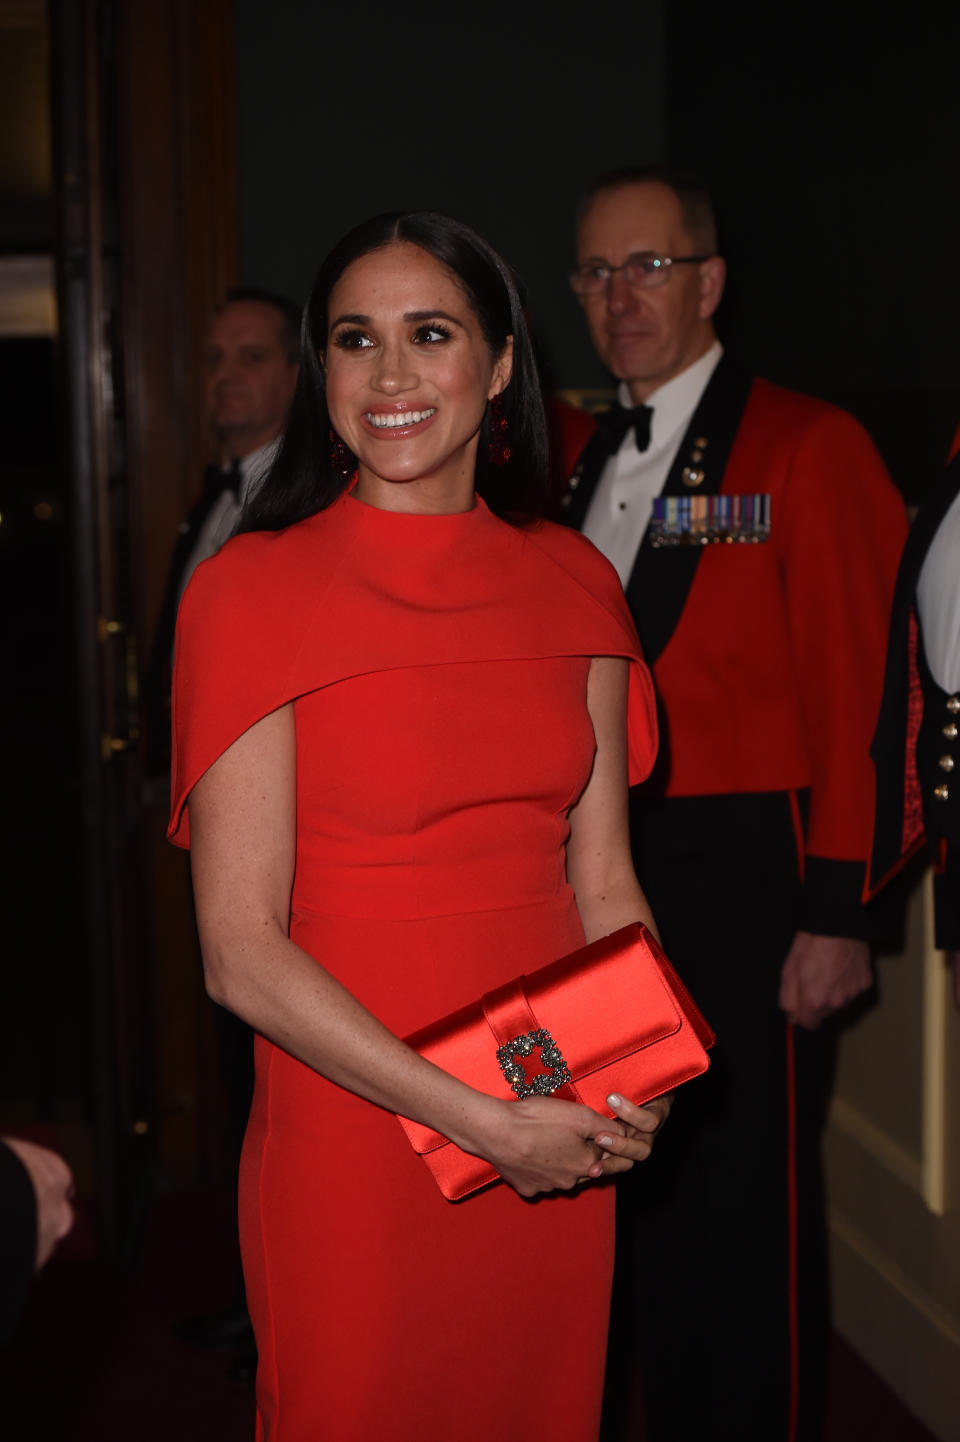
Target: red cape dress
(438, 668)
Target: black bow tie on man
(223, 478)
(614, 424)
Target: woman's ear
(502, 370)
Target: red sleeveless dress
(438, 670)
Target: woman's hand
(544, 1144)
(632, 1140)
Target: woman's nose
(394, 370)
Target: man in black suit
(916, 751)
(36, 1211)
(251, 363)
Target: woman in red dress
(401, 754)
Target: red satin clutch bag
(611, 1017)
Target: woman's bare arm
(243, 829)
(600, 870)
(599, 862)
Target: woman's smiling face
(409, 373)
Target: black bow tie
(613, 425)
(223, 478)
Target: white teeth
(384, 421)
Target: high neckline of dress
(431, 521)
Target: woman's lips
(390, 424)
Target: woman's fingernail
(613, 1100)
(604, 1141)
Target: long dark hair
(303, 480)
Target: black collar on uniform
(583, 482)
(660, 581)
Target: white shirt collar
(675, 401)
(254, 467)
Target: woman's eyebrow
(415, 315)
(410, 317)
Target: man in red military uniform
(757, 536)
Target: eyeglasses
(642, 271)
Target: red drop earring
(342, 462)
(499, 446)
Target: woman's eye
(431, 334)
(352, 340)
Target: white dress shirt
(938, 602)
(620, 509)
(225, 511)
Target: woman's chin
(391, 475)
(399, 470)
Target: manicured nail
(613, 1100)
(604, 1141)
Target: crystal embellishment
(553, 1074)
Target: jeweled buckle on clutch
(554, 1074)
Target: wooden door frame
(178, 196)
(177, 184)
(146, 181)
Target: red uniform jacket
(768, 656)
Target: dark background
(485, 114)
(828, 133)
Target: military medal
(709, 520)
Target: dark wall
(347, 110)
(831, 140)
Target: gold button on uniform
(941, 792)
(950, 730)
(946, 763)
(953, 704)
